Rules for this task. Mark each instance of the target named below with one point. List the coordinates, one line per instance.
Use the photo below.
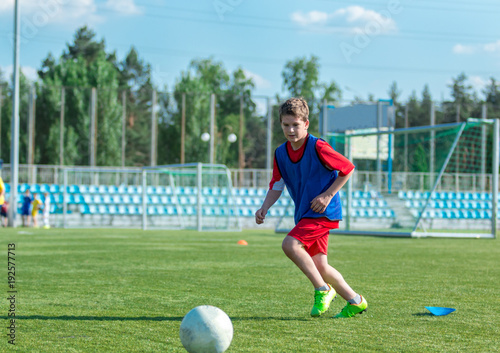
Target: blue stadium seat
(73, 189)
(126, 199)
(106, 198)
(112, 189)
(87, 198)
(171, 210)
(78, 199)
(112, 210)
(102, 189)
(122, 210)
(93, 189)
(84, 189)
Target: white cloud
(124, 7)
(311, 18)
(30, 72)
(493, 47)
(259, 81)
(350, 20)
(464, 49)
(40, 13)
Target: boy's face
(295, 129)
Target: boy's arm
(320, 202)
(271, 197)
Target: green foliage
(203, 78)
(83, 66)
(135, 78)
(301, 79)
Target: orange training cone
(242, 242)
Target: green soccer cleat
(352, 309)
(322, 300)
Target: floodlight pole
(14, 153)
(494, 175)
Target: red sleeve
(333, 159)
(276, 175)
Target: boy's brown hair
(296, 107)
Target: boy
(4, 213)
(313, 174)
(37, 204)
(26, 208)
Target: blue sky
(362, 45)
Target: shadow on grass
(423, 314)
(141, 318)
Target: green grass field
(128, 290)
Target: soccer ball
(206, 329)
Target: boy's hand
(320, 202)
(260, 215)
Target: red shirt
(328, 156)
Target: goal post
(439, 180)
(181, 196)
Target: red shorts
(313, 234)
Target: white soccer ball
(206, 329)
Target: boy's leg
(296, 252)
(294, 249)
(356, 304)
(333, 277)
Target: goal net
(186, 196)
(439, 180)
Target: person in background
(26, 208)
(46, 210)
(37, 204)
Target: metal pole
(199, 168)
(153, 130)
(65, 193)
(432, 145)
(269, 153)
(325, 120)
(183, 129)
(212, 128)
(241, 154)
(379, 162)
(484, 138)
(144, 205)
(31, 133)
(124, 124)
(93, 130)
(61, 128)
(14, 150)
(494, 175)
(349, 187)
(405, 162)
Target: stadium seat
(93, 189)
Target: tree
(301, 79)
(135, 78)
(84, 65)
(204, 77)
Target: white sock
(326, 287)
(356, 300)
